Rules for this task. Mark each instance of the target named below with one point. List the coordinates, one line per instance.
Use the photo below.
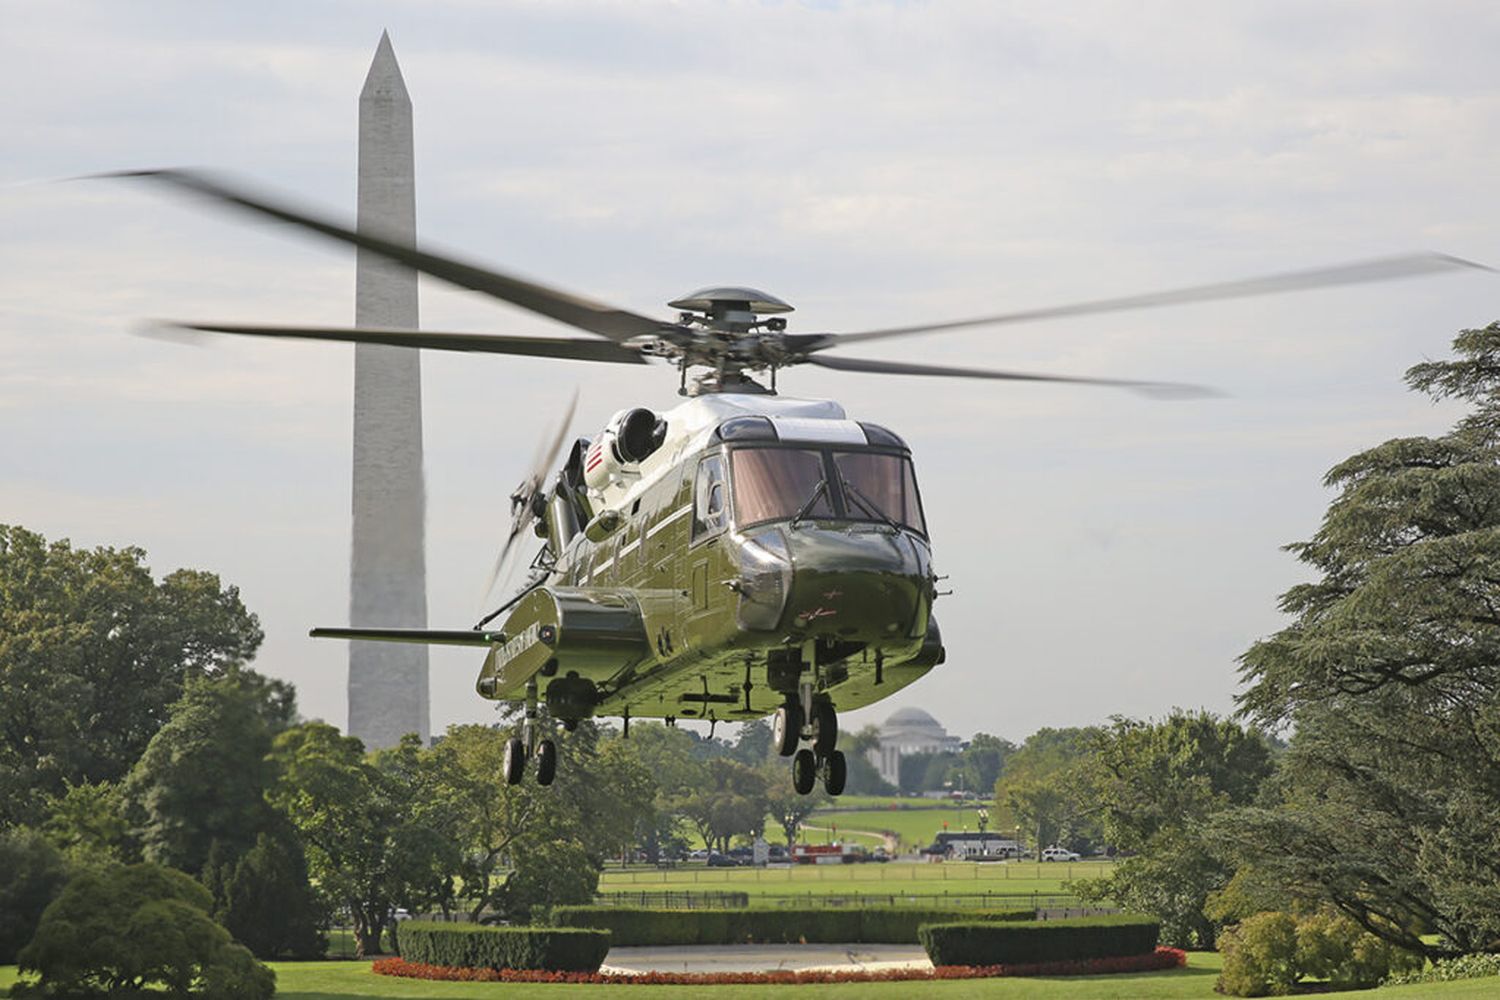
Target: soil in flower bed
(1162, 958)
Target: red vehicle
(824, 854)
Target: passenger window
(708, 497)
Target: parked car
(717, 860)
(698, 855)
(1060, 854)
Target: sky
(874, 164)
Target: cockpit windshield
(881, 487)
(780, 484)
(774, 484)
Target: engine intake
(629, 438)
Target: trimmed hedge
(475, 946)
(872, 925)
(975, 943)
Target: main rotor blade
(1161, 390)
(614, 324)
(1361, 272)
(575, 348)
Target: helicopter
(739, 555)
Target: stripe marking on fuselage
(659, 525)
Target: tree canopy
(1390, 675)
(91, 643)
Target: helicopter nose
(860, 585)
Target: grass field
(913, 827)
(354, 981)
(951, 878)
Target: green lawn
(895, 878)
(353, 980)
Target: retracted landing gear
(823, 757)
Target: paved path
(766, 958)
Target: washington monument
(388, 694)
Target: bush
(1260, 956)
(1331, 946)
(32, 873)
(114, 931)
(474, 946)
(632, 926)
(1269, 953)
(977, 943)
(1446, 970)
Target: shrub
(1331, 946)
(1446, 970)
(980, 943)
(874, 925)
(1268, 954)
(475, 946)
(119, 929)
(32, 873)
(1260, 956)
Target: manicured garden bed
(1162, 958)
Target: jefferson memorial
(908, 731)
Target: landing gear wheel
(786, 728)
(546, 762)
(835, 773)
(804, 771)
(825, 727)
(515, 760)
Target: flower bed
(1162, 958)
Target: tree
(785, 806)
(87, 823)
(548, 873)
(864, 778)
(666, 753)
(1040, 785)
(348, 819)
(983, 760)
(91, 643)
(733, 800)
(122, 930)
(1154, 786)
(507, 836)
(752, 747)
(32, 873)
(269, 905)
(1384, 804)
(202, 779)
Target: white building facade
(909, 731)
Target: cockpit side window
(710, 504)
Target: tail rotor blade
(523, 516)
